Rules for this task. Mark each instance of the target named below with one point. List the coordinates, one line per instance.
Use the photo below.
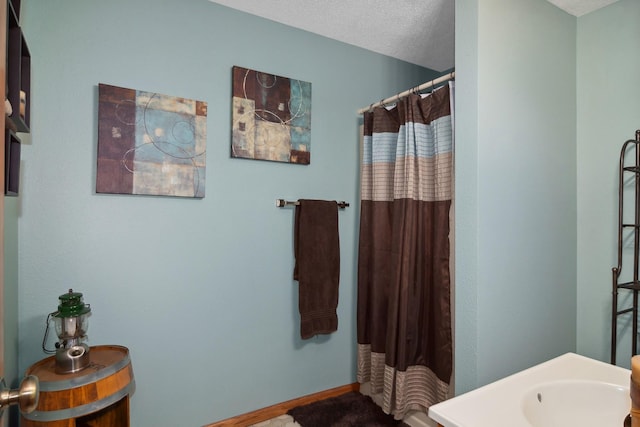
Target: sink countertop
(500, 402)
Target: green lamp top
(71, 305)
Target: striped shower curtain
(404, 311)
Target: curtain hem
(415, 389)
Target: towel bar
(281, 203)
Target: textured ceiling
(416, 31)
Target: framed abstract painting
(150, 144)
(271, 117)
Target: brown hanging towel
(317, 267)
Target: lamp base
(72, 359)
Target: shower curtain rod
(397, 97)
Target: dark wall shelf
(11, 164)
(18, 70)
(15, 4)
(18, 94)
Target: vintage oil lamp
(71, 323)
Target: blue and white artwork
(271, 117)
(150, 144)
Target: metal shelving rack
(632, 286)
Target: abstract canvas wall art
(150, 144)
(271, 117)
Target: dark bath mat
(352, 409)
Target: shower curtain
(403, 309)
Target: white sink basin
(576, 403)
(567, 391)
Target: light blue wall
(466, 197)
(12, 374)
(515, 187)
(200, 291)
(608, 115)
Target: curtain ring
(433, 85)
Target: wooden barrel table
(95, 396)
